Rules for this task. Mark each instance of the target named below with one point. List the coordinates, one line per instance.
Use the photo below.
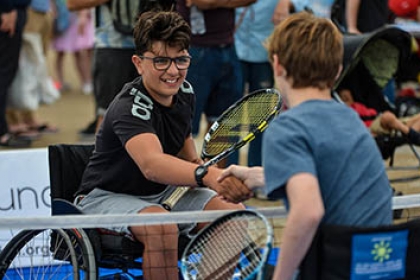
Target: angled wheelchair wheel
(48, 254)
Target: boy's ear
(278, 69)
(137, 63)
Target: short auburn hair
(310, 48)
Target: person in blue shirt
(253, 26)
(317, 155)
(321, 8)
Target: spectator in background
(12, 22)
(253, 26)
(320, 8)
(26, 96)
(77, 40)
(215, 71)
(112, 66)
(361, 16)
(385, 122)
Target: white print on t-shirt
(142, 105)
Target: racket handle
(173, 199)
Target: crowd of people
(153, 86)
(236, 48)
(29, 30)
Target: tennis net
(72, 247)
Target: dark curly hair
(166, 26)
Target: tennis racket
(236, 127)
(234, 246)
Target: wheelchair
(75, 253)
(385, 252)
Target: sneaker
(87, 88)
(90, 129)
(12, 141)
(62, 87)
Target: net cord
(97, 221)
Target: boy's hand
(252, 177)
(230, 188)
(8, 22)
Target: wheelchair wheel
(48, 254)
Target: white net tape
(96, 221)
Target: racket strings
(243, 119)
(231, 250)
(218, 249)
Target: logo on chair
(379, 255)
(381, 251)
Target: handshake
(235, 183)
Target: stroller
(371, 62)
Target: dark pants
(256, 75)
(112, 68)
(9, 62)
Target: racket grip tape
(173, 199)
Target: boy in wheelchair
(144, 147)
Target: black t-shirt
(132, 112)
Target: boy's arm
(189, 152)
(213, 4)
(145, 149)
(74, 5)
(352, 11)
(8, 22)
(305, 214)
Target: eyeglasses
(162, 63)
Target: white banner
(24, 190)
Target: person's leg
(83, 65)
(9, 61)
(216, 203)
(413, 122)
(59, 69)
(113, 68)
(229, 89)
(160, 257)
(219, 244)
(202, 80)
(14, 121)
(18, 126)
(198, 199)
(390, 122)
